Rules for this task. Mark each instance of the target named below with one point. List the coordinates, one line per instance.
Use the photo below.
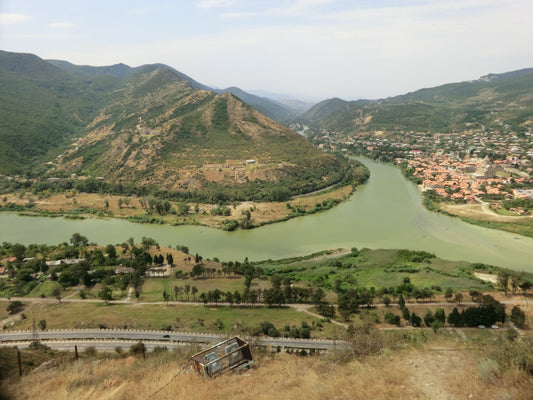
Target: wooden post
(20, 362)
(76, 351)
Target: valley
(140, 199)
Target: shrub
(137, 348)
(366, 340)
(90, 351)
(518, 317)
(15, 307)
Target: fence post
(20, 362)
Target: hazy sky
(319, 48)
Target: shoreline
(103, 206)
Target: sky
(309, 49)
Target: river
(384, 213)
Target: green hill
(447, 108)
(42, 108)
(151, 128)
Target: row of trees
(487, 313)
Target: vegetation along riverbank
(71, 200)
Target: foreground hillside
(452, 107)
(447, 365)
(147, 130)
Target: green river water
(384, 213)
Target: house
(124, 270)
(68, 261)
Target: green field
(378, 269)
(523, 227)
(178, 317)
(153, 288)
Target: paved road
(89, 337)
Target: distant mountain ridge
(271, 108)
(447, 108)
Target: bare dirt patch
(481, 212)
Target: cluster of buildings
(467, 180)
(471, 166)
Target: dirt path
(432, 372)
(305, 308)
(482, 212)
(10, 320)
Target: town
(474, 166)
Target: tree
(166, 296)
(229, 298)
(111, 252)
(56, 292)
(415, 320)
(475, 295)
(253, 296)
(106, 294)
(78, 240)
(183, 208)
(318, 296)
(15, 307)
(18, 251)
(458, 298)
(455, 318)
(448, 294)
(405, 313)
(187, 290)
(198, 270)
(518, 317)
(386, 301)
(401, 302)
(194, 290)
(429, 318)
(503, 280)
(42, 324)
(170, 260)
(440, 316)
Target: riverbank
(482, 215)
(244, 215)
(386, 212)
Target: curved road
(109, 339)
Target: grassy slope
(444, 108)
(370, 270)
(191, 318)
(414, 370)
(41, 110)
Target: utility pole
(35, 335)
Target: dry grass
(264, 212)
(481, 212)
(440, 370)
